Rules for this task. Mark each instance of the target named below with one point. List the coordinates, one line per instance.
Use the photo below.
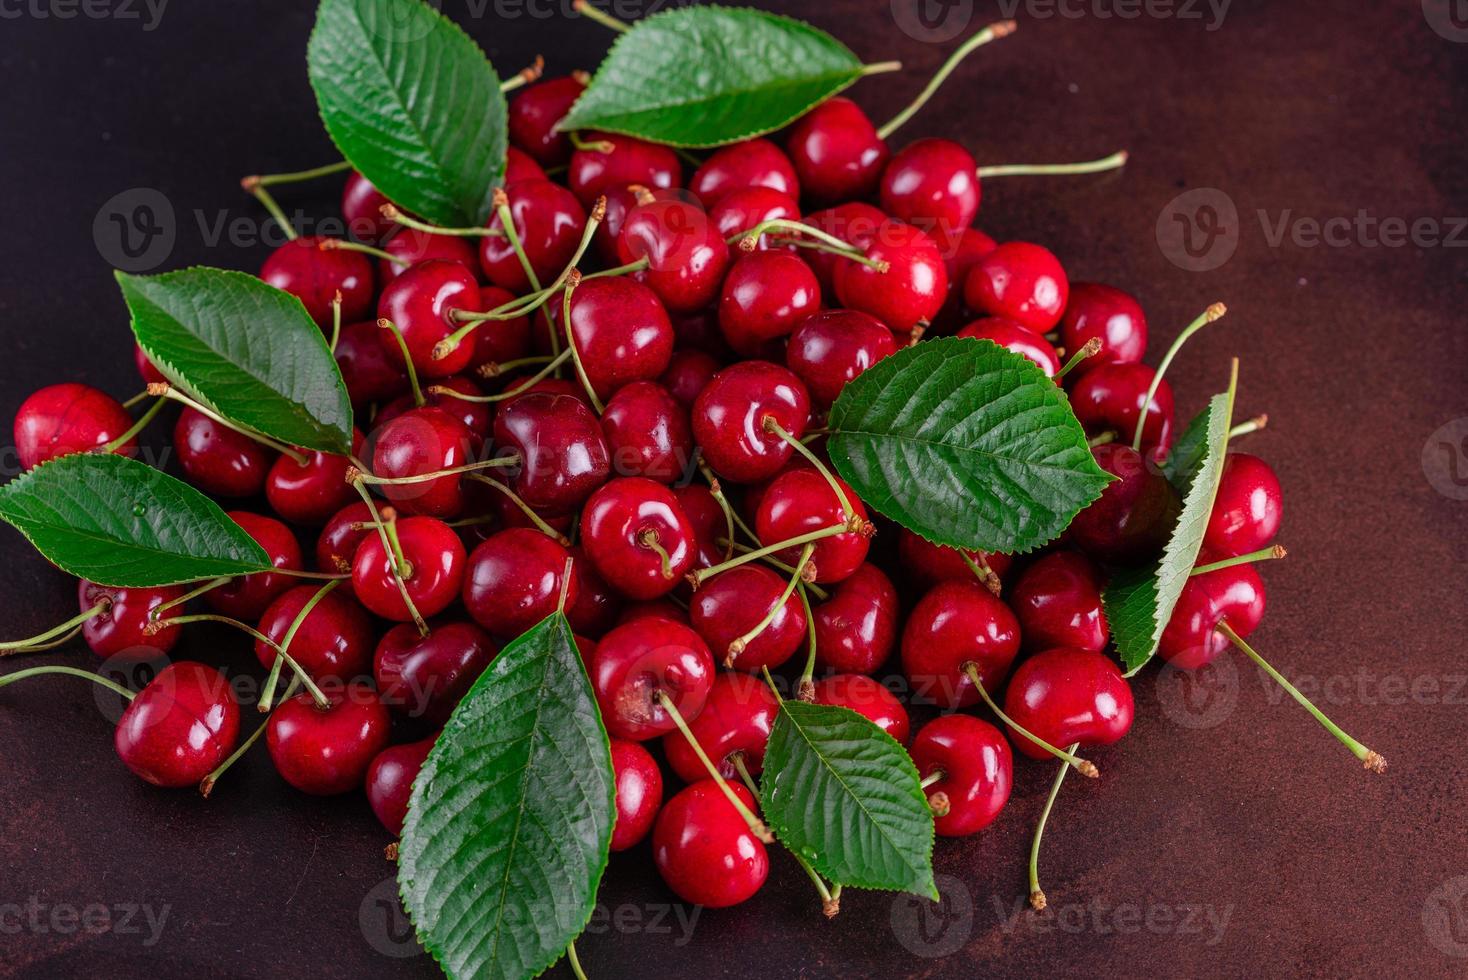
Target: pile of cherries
(610, 401)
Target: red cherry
(640, 660)
(597, 605)
(648, 433)
(427, 676)
(765, 296)
(1191, 637)
(751, 163)
(739, 212)
(1246, 512)
(411, 247)
(800, 501)
(1020, 281)
(514, 581)
(622, 333)
(637, 536)
(549, 222)
(836, 151)
(977, 768)
(932, 183)
(707, 519)
(830, 348)
(867, 698)
(314, 273)
(705, 851)
(1132, 519)
(424, 440)
(1013, 337)
(334, 641)
(311, 493)
(688, 373)
(639, 793)
(854, 223)
(857, 627)
(1067, 696)
(69, 418)
(563, 454)
(389, 782)
(1110, 398)
(498, 341)
(121, 629)
(622, 200)
(1109, 315)
(962, 249)
(247, 596)
(146, 369)
(435, 559)
(686, 257)
(652, 609)
(180, 727)
(362, 207)
(325, 752)
(521, 166)
(929, 564)
(729, 419)
(371, 376)
(338, 542)
(1058, 604)
(593, 171)
(954, 624)
(218, 459)
(736, 718)
(420, 303)
(732, 603)
(533, 114)
(910, 291)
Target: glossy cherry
(750, 163)
(1110, 398)
(1107, 314)
(594, 171)
(180, 727)
(247, 596)
(857, 627)
(1131, 521)
(637, 536)
(1067, 696)
(653, 609)
(334, 641)
(836, 151)
(514, 580)
(707, 519)
(1058, 604)
(371, 376)
(563, 454)
(534, 112)
(740, 211)
(310, 493)
(800, 501)
(932, 183)
(765, 295)
(1246, 512)
(929, 564)
(639, 663)
(1020, 281)
(435, 569)
(962, 249)
(622, 332)
(411, 247)
(217, 459)
(362, 207)
(426, 676)
(705, 851)
(686, 256)
(476, 416)
(977, 769)
(325, 752)
(336, 546)
(424, 440)
(597, 604)
(868, 698)
(953, 624)
(910, 291)
(729, 419)
(648, 433)
(548, 220)
(732, 603)
(830, 348)
(688, 373)
(69, 418)
(120, 630)
(315, 274)
(1191, 637)
(420, 303)
(639, 793)
(736, 718)
(1019, 339)
(389, 781)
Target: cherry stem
(1263, 554)
(493, 369)
(336, 320)
(585, 9)
(1252, 425)
(507, 224)
(936, 776)
(649, 539)
(574, 961)
(355, 475)
(35, 642)
(756, 826)
(163, 389)
(739, 643)
(392, 213)
(206, 785)
(881, 68)
(385, 324)
(731, 516)
(696, 578)
(285, 644)
(805, 688)
(524, 76)
(387, 544)
(508, 393)
(1037, 895)
(1084, 767)
(401, 566)
(1214, 312)
(830, 904)
(1109, 436)
(268, 180)
(280, 653)
(136, 399)
(620, 270)
(268, 201)
(111, 685)
(566, 572)
(748, 240)
(979, 565)
(991, 33)
(156, 613)
(301, 573)
(571, 285)
(773, 427)
(1090, 348)
(1372, 761)
(138, 426)
(1116, 161)
(524, 508)
(341, 244)
(810, 587)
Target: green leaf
(120, 522)
(246, 350)
(844, 795)
(1140, 601)
(510, 821)
(966, 444)
(1187, 452)
(413, 103)
(705, 76)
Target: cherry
(1107, 314)
(622, 333)
(836, 151)
(314, 273)
(1068, 696)
(146, 368)
(421, 441)
(800, 501)
(1058, 604)
(637, 537)
(639, 793)
(69, 418)
(427, 676)
(1110, 398)
(704, 849)
(909, 292)
(476, 416)
(976, 767)
(855, 223)
(411, 247)
(857, 627)
(420, 303)
(389, 781)
(686, 257)
(334, 641)
(962, 249)
(563, 454)
(740, 211)
(648, 432)
(310, 493)
(534, 112)
(736, 718)
(830, 348)
(641, 662)
(932, 183)
(730, 414)
(867, 698)
(1132, 519)
(434, 557)
(1234, 594)
(325, 752)
(371, 376)
(956, 623)
(515, 580)
(548, 221)
(929, 563)
(732, 603)
(520, 166)
(751, 163)
(622, 200)
(688, 373)
(499, 341)
(594, 171)
(1019, 339)
(362, 207)
(121, 628)
(1246, 511)
(248, 596)
(597, 606)
(765, 295)
(338, 542)
(652, 609)
(1021, 282)
(180, 727)
(707, 519)
(217, 459)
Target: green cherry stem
(342, 245)
(881, 68)
(805, 687)
(267, 200)
(937, 775)
(385, 324)
(1084, 767)
(830, 904)
(585, 9)
(393, 213)
(571, 283)
(980, 567)
(774, 428)
(739, 643)
(493, 369)
(620, 270)
(336, 320)
(1103, 439)
(280, 653)
(138, 426)
(508, 393)
(1250, 426)
(1214, 312)
(162, 389)
(1037, 895)
(111, 685)
(525, 75)
(1090, 348)
(698, 577)
(574, 961)
(285, 644)
(748, 241)
(269, 180)
(387, 544)
(755, 824)
(206, 785)
(524, 508)
(991, 33)
(731, 516)
(156, 613)
(810, 587)
(355, 475)
(38, 641)
(1116, 161)
(1263, 554)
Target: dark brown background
(1223, 800)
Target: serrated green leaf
(705, 76)
(120, 522)
(966, 444)
(845, 796)
(1182, 461)
(413, 103)
(1139, 601)
(510, 821)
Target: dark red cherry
(514, 580)
(218, 459)
(1013, 337)
(476, 416)
(736, 718)
(622, 333)
(315, 274)
(686, 257)
(800, 501)
(180, 727)
(147, 370)
(1246, 512)
(909, 292)
(1067, 696)
(705, 851)
(857, 627)
(688, 373)
(427, 676)
(362, 207)
(310, 493)
(389, 782)
(962, 249)
(1109, 315)
(325, 752)
(854, 223)
(836, 151)
(1132, 519)
(435, 570)
(420, 303)
(1058, 604)
(563, 454)
(977, 768)
(740, 211)
(955, 623)
(751, 163)
(594, 171)
(338, 542)
(334, 641)
(1110, 398)
(652, 609)
(729, 605)
(830, 348)
(765, 295)
(637, 536)
(729, 419)
(498, 341)
(648, 433)
(411, 247)
(639, 793)
(371, 376)
(707, 519)
(247, 596)
(520, 166)
(534, 112)
(638, 660)
(597, 605)
(548, 220)
(424, 440)
(69, 418)
(1191, 637)
(1020, 281)
(121, 628)
(929, 564)
(622, 200)
(867, 698)
(932, 183)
